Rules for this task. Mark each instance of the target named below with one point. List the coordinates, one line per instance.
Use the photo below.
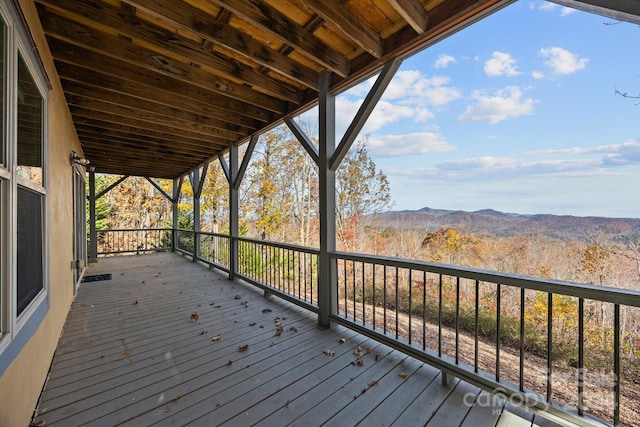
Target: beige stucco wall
(21, 383)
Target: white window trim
(10, 322)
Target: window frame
(16, 45)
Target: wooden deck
(131, 354)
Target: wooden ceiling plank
(196, 145)
(130, 76)
(96, 140)
(83, 96)
(82, 114)
(191, 19)
(336, 14)
(143, 97)
(124, 50)
(275, 23)
(172, 44)
(154, 114)
(413, 12)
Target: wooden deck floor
(130, 354)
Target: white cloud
(412, 87)
(409, 144)
(384, 113)
(537, 75)
(552, 7)
(501, 64)
(410, 96)
(561, 61)
(503, 104)
(444, 61)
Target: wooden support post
(93, 232)
(234, 211)
(177, 183)
(327, 279)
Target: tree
(361, 190)
(266, 185)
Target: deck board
(131, 355)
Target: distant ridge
(501, 224)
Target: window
(23, 194)
(29, 147)
(30, 268)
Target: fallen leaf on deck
(329, 352)
(243, 347)
(342, 340)
(402, 375)
(126, 353)
(293, 329)
(278, 333)
(262, 326)
(378, 357)
(360, 362)
(368, 350)
(372, 383)
(194, 317)
(237, 297)
(177, 397)
(215, 338)
(229, 362)
(252, 324)
(39, 423)
(286, 405)
(267, 310)
(203, 332)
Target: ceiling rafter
(191, 19)
(123, 50)
(278, 25)
(164, 41)
(413, 12)
(340, 18)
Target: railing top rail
(580, 290)
(281, 245)
(132, 229)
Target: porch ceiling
(158, 87)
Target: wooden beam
(278, 25)
(136, 132)
(194, 20)
(365, 110)
(105, 17)
(125, 51)
(341, 19)
(84, 115)
(157, 187)
(155, 102)
(103, 101)
(83, 61)
(245, 161)
(413, 12)
(303, 139)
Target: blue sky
(516, 113)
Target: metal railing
(496, 330)
(127, 241)
(558, 348)
(287, 270)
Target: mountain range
(501, 224)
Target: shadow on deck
(133, 352)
